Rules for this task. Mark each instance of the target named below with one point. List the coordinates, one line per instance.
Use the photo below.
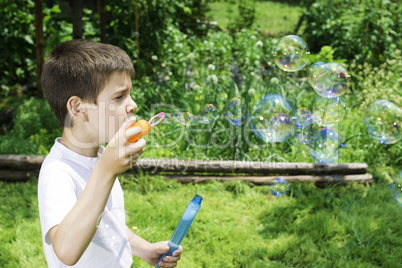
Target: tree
(39, 44)
(76, 18)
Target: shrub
(361, 30)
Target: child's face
(114, 106)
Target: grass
(271, 17)
(239, 225)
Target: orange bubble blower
(145, 126)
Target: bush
(361, 30)
(34, 131)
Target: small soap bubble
(187, 119)
(328, 112)
(236, 112)
(270, 120)
(396, 187)
(291, 53)
(190, 119)
(383, 121)
(329, 80)
(324, 147)
(304, 127)
(208, 114)
(280, 187)
(303, 118)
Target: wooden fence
(22, 167)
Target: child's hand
(160, 248)
(119, 155)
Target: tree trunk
(39, 44)
(76, 17)
(137, 29)
(102, 20)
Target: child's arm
(74, 233)
(151, 252)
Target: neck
(78, 144)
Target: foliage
(156, 17)
(35, 128)
(17, 64)
(383, 82)
(335, 226)
(245, 15)
(361, 30)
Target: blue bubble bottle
(183, 226)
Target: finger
(171, 259)
(167, 264)
(136, 156)
(178, 251)
(120, 136)
(132, 132)
(136, 147)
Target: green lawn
(239, 225)
(271, 17)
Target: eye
(119, 97)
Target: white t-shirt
(62, 179)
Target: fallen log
(33, 162)
(189, 166)
(268, 180)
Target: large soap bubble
(383, 121)
(328, 112)
(236, 112)
(397, 189)
(324, 147)
(329, 80)
(270, 120)
(291, 53)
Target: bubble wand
(182, 228)
(146, 126)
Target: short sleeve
(56, 196)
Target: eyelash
(119, 97)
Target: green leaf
(55, 9)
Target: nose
(131, 107)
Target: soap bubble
(277, 128)
(236, 112)
(304, 127)
(340, 80)
(303, 118)
(329, 80)
(291, 53)
(280, 187)
(383, 121)
(324, 147)
(319, 77)
(328, 112)
(397, 189)
(208, 114)
(190, 119)
(270, 120)
(187, 119)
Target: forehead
(117, 82)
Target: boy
(88, 85)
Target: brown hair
(80, 68)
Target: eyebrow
(122, 90)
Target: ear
(76, 110)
